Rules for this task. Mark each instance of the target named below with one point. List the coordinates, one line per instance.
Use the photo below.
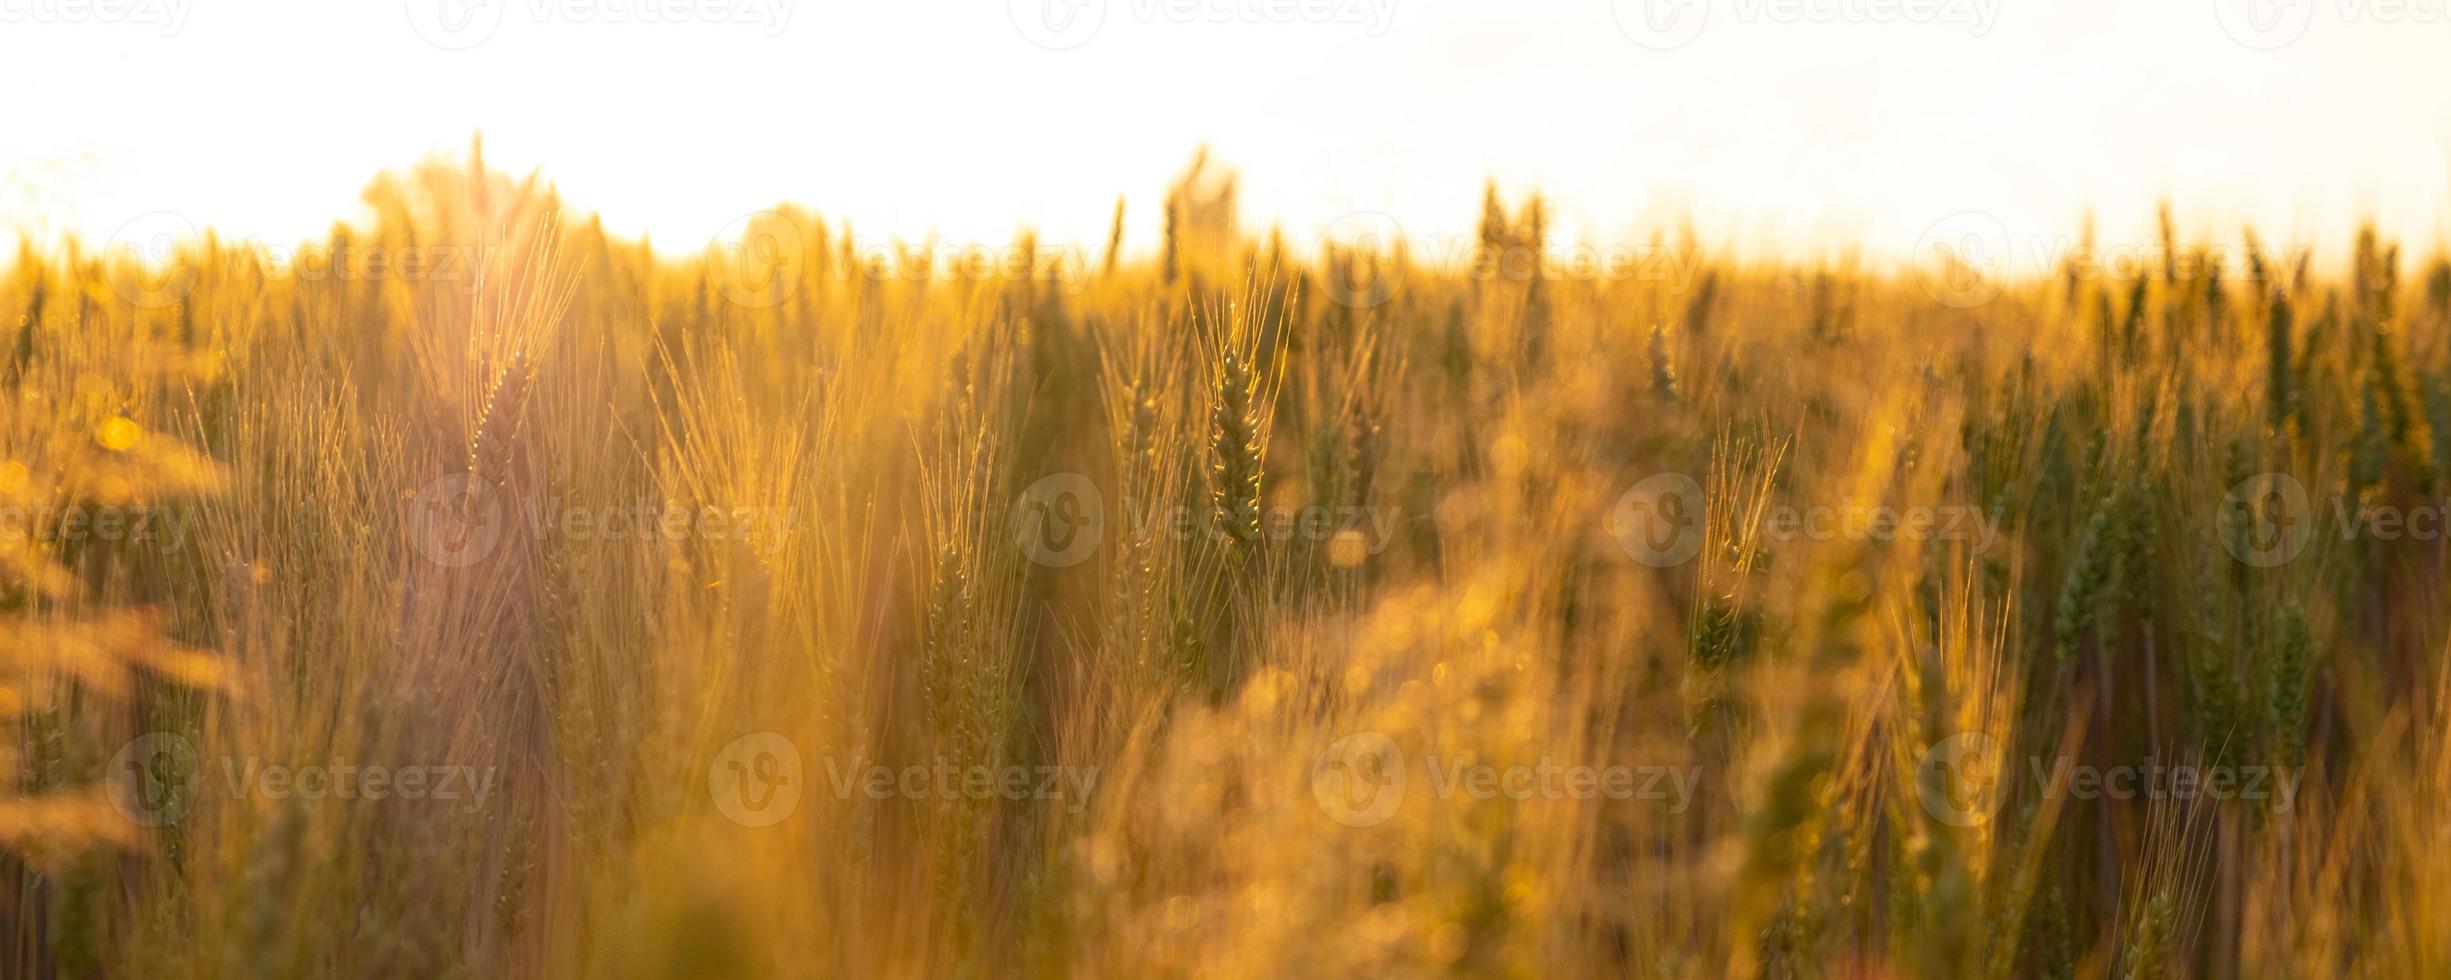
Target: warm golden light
(1224, 488)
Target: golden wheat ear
(497, 428)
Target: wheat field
(474, 593)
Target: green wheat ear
(2277, 327)
(2084, 581)
(2132, 330)
(1234, 448)
(23, 355)
(2292, 683)
(950, 597)
(2372, 445)
(2148, 955)
(1663, 368)
(1698, 311)
(2405, 428)
(1362, 452)
(2106, 330)
(2216, 303)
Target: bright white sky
(1779, 123)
